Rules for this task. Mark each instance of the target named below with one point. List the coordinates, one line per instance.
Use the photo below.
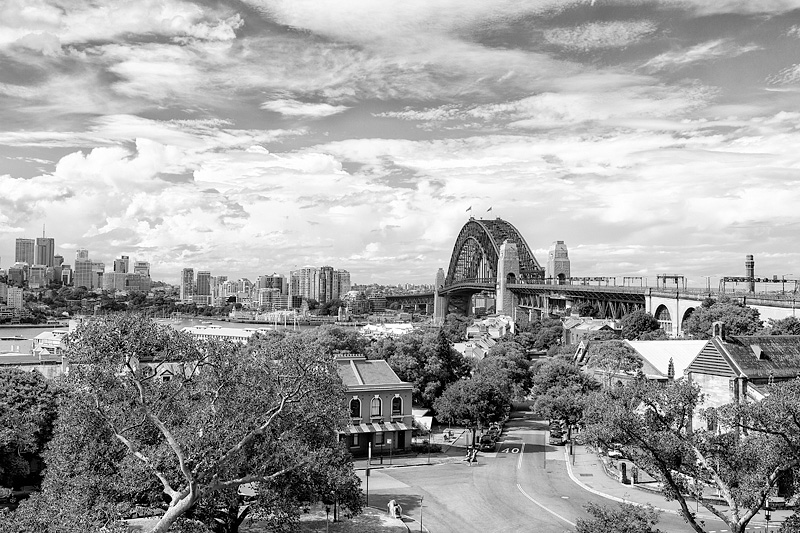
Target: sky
(251, 136)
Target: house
(379, 404)
(476, 348)
(494, 327)
(662, 360)
(577, 328)
(734, 369)
(50, 342)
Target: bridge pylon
(507, 274)
(440, 301)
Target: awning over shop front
(377, 428)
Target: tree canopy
(626, 518)
(638, 323)
(649, 424)
(474, 403)
(227, 417)
(559, 388)
(737, 319)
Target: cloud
(599, 35)
(707, 51)
(293, 108)
(787, 76)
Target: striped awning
(377, 428)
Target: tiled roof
(762, 356)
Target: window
(397, 406)
(378, 438)
(355, 408)
(355, 441)
(375, 407)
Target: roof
(658, 353)
(22, 359)
(763, 356)
(360, 372)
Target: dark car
(487, 443)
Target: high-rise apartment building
(202, 291)
(273, 281)
(66, 274)
(14, 297)
(58, 260)
(25, 251)
(45, 251)
(307, 283)
(187, 284)
(121, 264)
(344, 282)
(81, 253)
(98, 269)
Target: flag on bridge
(469, 208)
(488, 209)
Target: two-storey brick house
(379, 404)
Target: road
(524, 486)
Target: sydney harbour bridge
(492, 257)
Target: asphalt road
(522, 487)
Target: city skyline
(249, 137)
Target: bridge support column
(440, 301)
(507, 273)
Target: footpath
(600, 477)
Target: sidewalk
(586, 469)
(452, 452)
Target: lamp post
(327, 512)
(767, 515)
(420, 512)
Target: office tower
(82, 253)
(121, 264)
(58, 260)
(83, 272)
(142, 268)
(98, 269)
(202, 293)
(66, 274)
(18, 274)
(24, 251)
(45, 251)
(272, 281)
(187, 284)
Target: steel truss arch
(477, 249)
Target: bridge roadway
(523, 487)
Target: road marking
(519, 461)
(545, 508)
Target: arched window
(664, 319)
(375, 407)
(511, 278)
(397, 406)
(355, 408)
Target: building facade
(379, 404)
(24, 251)
(45, 251)
(187, 284)
(558, 262)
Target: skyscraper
(202, 294)
(187, 284)
(121, 264)
(142, 268)
(24, 252)
(83, 272)
(81, 253)
(45, 251)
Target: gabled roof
(763, 356)
(659, 353)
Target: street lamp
(767, 515)
(420, 512)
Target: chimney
(750, 272)
(718, 330)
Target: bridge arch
(477, 249)
(664, 318)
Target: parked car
(556, 437)
(487, 443)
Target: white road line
(545, 508)
(521, 451)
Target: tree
(627, 518)
(584, 309)
(473, 403)
(648, 423)
(737, 319)
(27, 412)
(228, 417)
(785, 326)
(638, 323)
(455, 327)
(511, 372)
(613, 358)
(559, 389)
